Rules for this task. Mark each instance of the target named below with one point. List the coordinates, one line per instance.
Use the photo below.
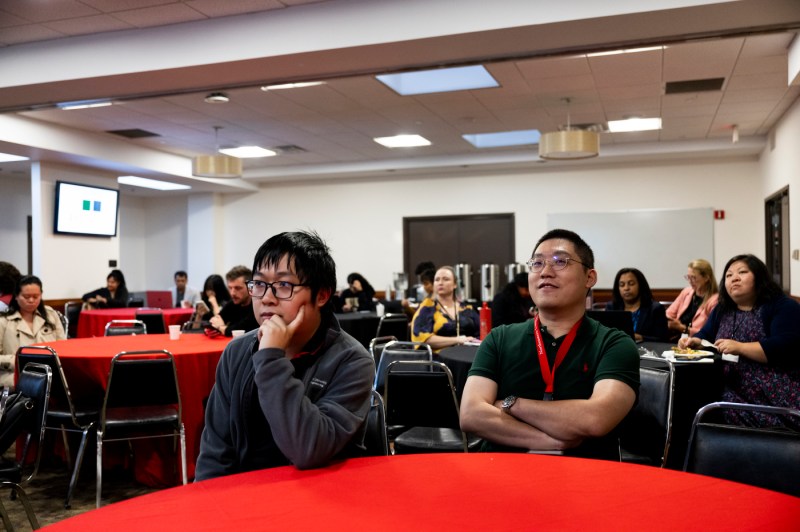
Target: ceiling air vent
(289, 148)
(694, 85)
(133, 133)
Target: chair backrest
(64, 321)
(647, 429)
(376, 440)
(34, 382)
(393, 325)
(397, 350)
(153, 320)
(764, 457)
(376, 346)
(60, 396)
(72, 311)
(135, 302)
(142, 378)
(420, 394)
(125, 327)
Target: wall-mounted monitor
(85, 210)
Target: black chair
(393, 325)
(764, 457)
(398, 350)
(142, 401)
(72, 311)
(62, 413)
(135, 302)
(153, 320)
(376, 346)
(646, 432)
(376, 440)
(125, 328)
(421, 395)
(33, 388)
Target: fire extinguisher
(486, 320)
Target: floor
(48, 489)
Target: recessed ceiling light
(7, 158)
(247, 152)
(634, 124)
(627, 51)
(84, 104)
(149, 183)
(403, 141)
(299, 85)
(439, 80)
(504, 138)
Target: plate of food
(688, 355)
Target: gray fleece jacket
(310, 420)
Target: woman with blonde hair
(689, 312)
(442, 320)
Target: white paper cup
(237, 332)
(174, 332)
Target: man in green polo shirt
(561, 382)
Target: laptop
(615, 319)
(159, 298)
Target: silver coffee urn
(490, 281)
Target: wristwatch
(508, 402)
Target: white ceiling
(334, 123)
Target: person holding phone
(297, 389)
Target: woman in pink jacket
(689, 312)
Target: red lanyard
(548, 375)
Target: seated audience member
(9, 277)
(26, 321)
(516, 402)
(358, 295)
(758, 322)
(513, 304)
(632, 292)
(426, 278)
(442, 320)
(113, 295)
(215, 295)
(182, 295)
(420, 291)
(689, 312)
(297, 390)
(237, 314)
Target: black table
(360, 325)
(459, 359)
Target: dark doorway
(473, 239)
(776, 210)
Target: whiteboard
(660, 243)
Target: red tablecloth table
(86, 362)
(480, 491)
(93, 322)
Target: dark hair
(122, 289)
(521, 280)
(306, 253)
(427, 275)
(422, 267)
(365, 286)
(217, 284)
(582, 249)
(180, 273)
(645, 294)
(239, 271)
(13, 305)
(9, 277)
(766, 289)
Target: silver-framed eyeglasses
(280, 289)
(558, 262)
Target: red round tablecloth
(93, 322)
(479, 491)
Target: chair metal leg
(66, 447)
(4, 514)
(78, 463)
(17, 490)
(183, 454)
(99, 467)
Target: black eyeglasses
(559, 262)
(280, 289)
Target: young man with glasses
(561, 382)
(237, 314)
(296, 390)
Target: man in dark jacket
(513, 304)
(296, 390)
